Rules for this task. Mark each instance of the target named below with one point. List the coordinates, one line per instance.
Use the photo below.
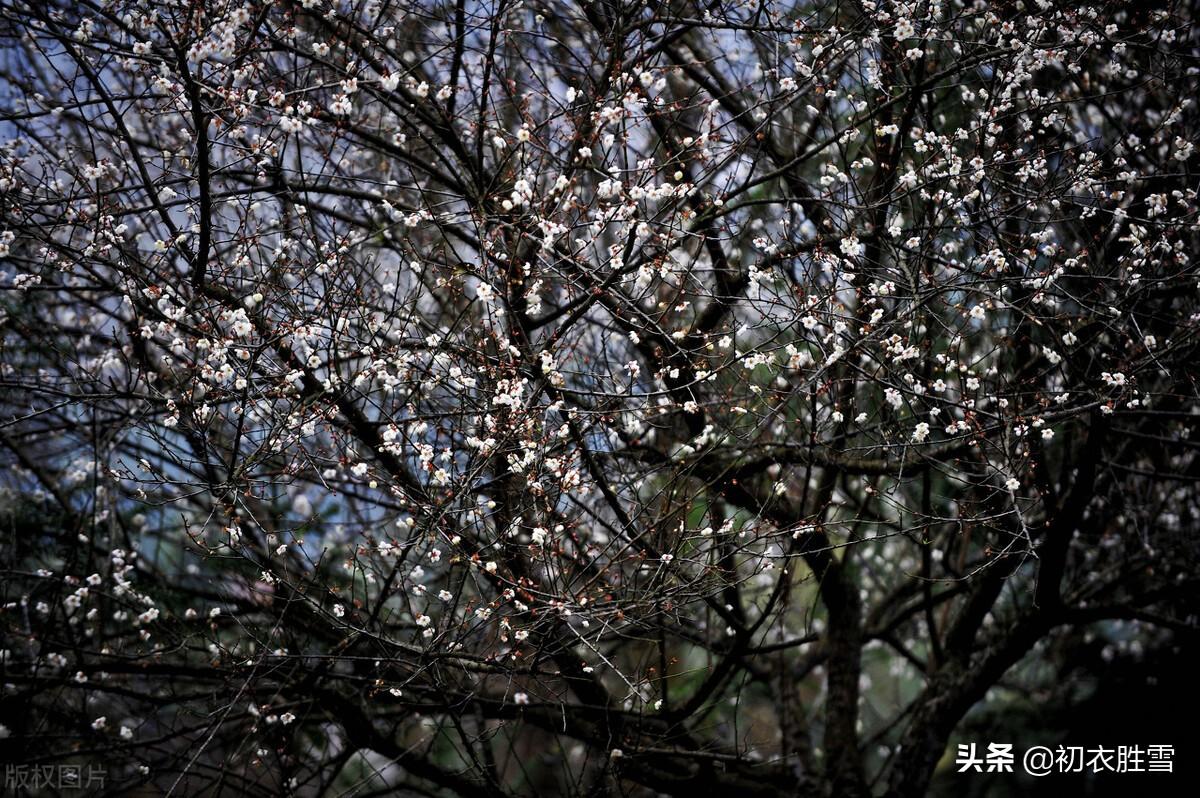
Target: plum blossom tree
(437, 397)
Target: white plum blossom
(512, 378)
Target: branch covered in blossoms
(583, 398)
